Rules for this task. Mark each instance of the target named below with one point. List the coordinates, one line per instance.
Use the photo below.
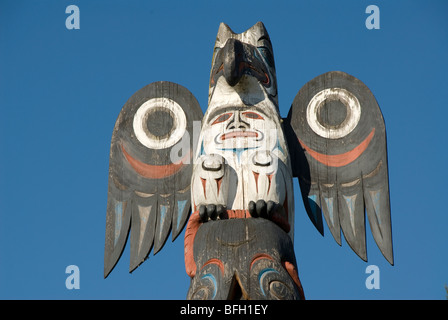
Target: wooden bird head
(243, 69)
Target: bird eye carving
(151, 114)
(267, 55)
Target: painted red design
(340, 160)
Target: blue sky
(61, 91)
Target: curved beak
(236, 59)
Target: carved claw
(211, 212)
(262, 208)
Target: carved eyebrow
(232, 108)
(220, 111)
(265, 41)
(264, 37)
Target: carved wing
(337, 139)
(150, 169)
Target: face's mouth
(238, 134)
(243, 68)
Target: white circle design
(140, 128)
(351, 121)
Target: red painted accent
(343, 159)
(256, 179)
(236, 214)
(154, 171)
(222, 118)
(247, 65)
(277, 217)
(212, 80)
(218, 184)
(190, 233)
(239, 134)
(252, 115)
(294, 276)
(260, 256)
(218, 262)
(204, 182)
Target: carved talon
(211, 212)
(262, 209)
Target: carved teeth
(239, 134)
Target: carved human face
(239, 128)
(234, 131)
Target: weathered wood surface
(341, 159)
(242, 169)
(239, 238)
(149, 188)
(241, 258)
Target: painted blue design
(202, 149)
(313, 205)
(162, 213)
(329, 202)
(162, 216)
(180, 208)
(118, 220)
(279, 147)
(350, 200)
(263, 273)
(212, 278)
(238, 151)
(255, 52)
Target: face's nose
(237, 123)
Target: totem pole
(229, 178)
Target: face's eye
(215, 53)
(217, 49)
(222, 118)
(252, 115)
(267, 55)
